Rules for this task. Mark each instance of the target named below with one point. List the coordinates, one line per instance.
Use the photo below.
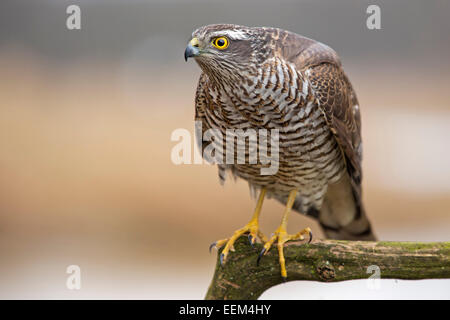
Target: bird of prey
(268, 78)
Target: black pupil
(220, 42)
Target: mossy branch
(326, 261)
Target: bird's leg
(252, 228)
(282, 236)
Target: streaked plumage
(275, 79)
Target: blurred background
(86, 118)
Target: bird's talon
(251, 229)
(263, 251)
(250, 239)
(213, 245)
(280, 236)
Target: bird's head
(226, 51)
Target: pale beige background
(86, 118)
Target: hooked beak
(192, 49)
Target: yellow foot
(253, 231)
(252, 228)
(282, 236)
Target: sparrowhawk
(268, 78)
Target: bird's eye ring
(220, 43)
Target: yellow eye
(220, 43)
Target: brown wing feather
(340, 106)
(335, 95)
(337, 99)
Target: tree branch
(326, 261)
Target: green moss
(414, 246)
(240, 278)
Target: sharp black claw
(221, 259)
(284, 279)
(260, 256)
(310, 237)
(250, 239)
(212, 246)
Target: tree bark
(326, 261)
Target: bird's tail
(358, 228)
(342, 215)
